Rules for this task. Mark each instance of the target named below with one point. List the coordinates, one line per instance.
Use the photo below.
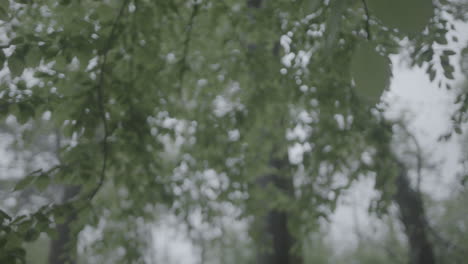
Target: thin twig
(101, 103)
(366, 9)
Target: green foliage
(153, 97)
(4, 8)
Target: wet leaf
(370, 71)
(409, 17)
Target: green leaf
(4, 14)
(4, 216)
(5, 4)
(370, 71)
(60, 64)
(33, 57)
(65, 2)
(17, 40)
(446, 66)
(449, 52)
(42, 181)
(26, 181)
(14, 241)
(26, 111)
(409, 17)
(432, 73)
(31, 235)
(464, 61)
(4, 8)
(2, 58)
(427, 55)
(16, 65)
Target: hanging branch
(101, 103)
(188, 38)
(366, 9)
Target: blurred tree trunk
(414, 219)
(276, 242)
(276, 235)
(63, 247)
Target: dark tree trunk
(62, 248)
(276, 235)
(277, 242)
(279, 238)
(414, 220)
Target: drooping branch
(101, 102)
(366, 9)
(187, 41)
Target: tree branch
(101, 102)
(366, 9)
(188, 38)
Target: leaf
(432, 73)
(26, 111)
(31, 235)
(449, 52)
(409, 17)
(14, 241)
(16, 65)
(4, 8)
(5, 4)
(446, 66)
(427, 55)
(42, 181)
(65, 2)
(370, 71)
(2, 58)
(26, 181)
(33, 57)
(464, 61)
(4, 216)
(60, 64)
(3, 14)
(17, 40)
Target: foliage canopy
(187, 103)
